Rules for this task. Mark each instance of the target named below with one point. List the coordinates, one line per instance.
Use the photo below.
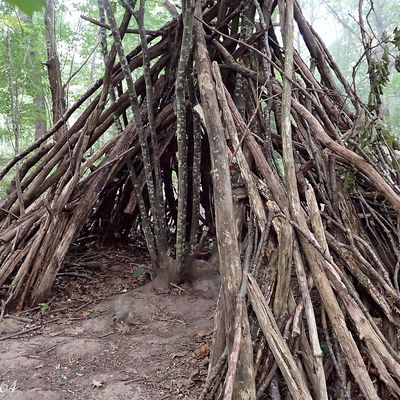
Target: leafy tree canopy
(28, 6)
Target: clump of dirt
(102, 337)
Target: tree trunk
(40, 124)
(53, 66)
(13, 93)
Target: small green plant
(324, 348)
(142, 272)
(44, 308)
(95, 314)
(139, 273)
(349, 180)
(63, 381)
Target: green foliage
(349, 180)
(379, 72)
(396, 38)
(337, 23)
(95, 314)
(28, 6)
(63, 381)
(140, 273)
(79, 53)
(396, 163)
(324, 348)
(22, 41)
(44, 308)
(396, 43)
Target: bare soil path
(102, 337)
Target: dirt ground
(103, 337)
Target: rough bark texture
(226, 234)
(53, 65)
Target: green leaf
(349, 180)
(324, 348)
(28, 6)
(44, 308)
(63, 381)
(95, 314)
(138, 272)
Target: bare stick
(135, 109)
(181, 131)
(106, 26)
(240, 303)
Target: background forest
(25, 98)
